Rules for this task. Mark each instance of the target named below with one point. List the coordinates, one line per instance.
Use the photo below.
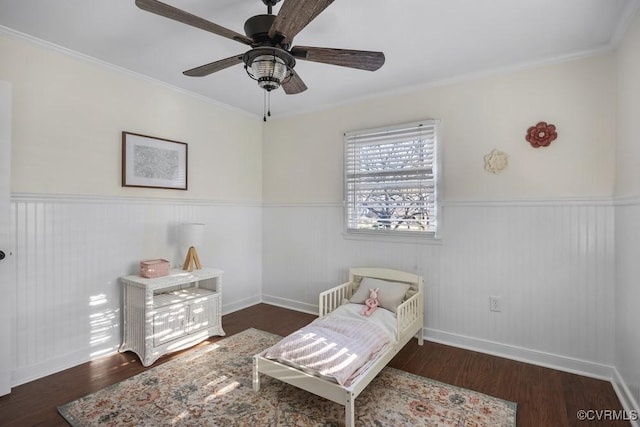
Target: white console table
(171, 313)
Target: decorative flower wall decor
(541, 135)
(496, 161)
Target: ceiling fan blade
(361, 59)
(294, 15)
(294, 85)
(176, 14)
(205, 70)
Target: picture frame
(152, 162)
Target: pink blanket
(332, 349)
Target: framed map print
(153, 162)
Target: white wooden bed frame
(410, 321)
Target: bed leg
(256, 376)
(420, 338)
(349, 411)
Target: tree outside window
(390, 179)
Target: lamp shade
(191, 234)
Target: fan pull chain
(269, 107)
(266, 105)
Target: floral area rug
(212, 386)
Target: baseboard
(239, 305)
(31, 373)
(534, 357)
(547, 360)
(290, 304)
(34, 372)
(627, 400)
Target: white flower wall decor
(496, 161)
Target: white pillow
(390, 294)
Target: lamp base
(191, 260)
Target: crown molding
(629, 14)
(119, 70)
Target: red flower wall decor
(541, 135)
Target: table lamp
(191, 235)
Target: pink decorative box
(154, 268)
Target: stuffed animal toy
(371, 302)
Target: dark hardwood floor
(545, 397)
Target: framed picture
(153, 162)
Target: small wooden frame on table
(153, 162)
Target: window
(391, 180)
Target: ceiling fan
(271, 59)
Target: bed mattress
(337, 347)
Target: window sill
(410, 238)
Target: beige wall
(303, 154)
(69, 114)
(628, 146)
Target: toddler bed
(337, 355)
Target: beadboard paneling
(627, 295)
(71, 250)
(551, 262)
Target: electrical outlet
(495, 303)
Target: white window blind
(390, 179)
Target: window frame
(392, 234)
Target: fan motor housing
(257, 28)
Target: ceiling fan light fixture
(271, 59)
(270, 67)
(269, 71)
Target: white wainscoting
(550, 261)
(71, 250)
(627, 294)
